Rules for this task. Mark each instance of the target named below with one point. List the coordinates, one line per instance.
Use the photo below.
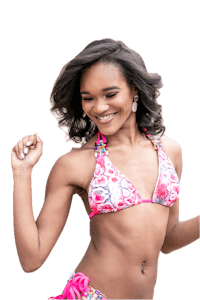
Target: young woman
(126, 172)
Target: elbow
(29, 268)
(33, 265)
(165, 250)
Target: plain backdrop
(37, 39)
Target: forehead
(102, 74)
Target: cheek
(86, 106)
(125, 102)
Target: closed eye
(109, 96)
(112, 95)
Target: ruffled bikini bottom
(77, 288)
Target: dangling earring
(84, 114)
(134, 106)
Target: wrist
(22, 171)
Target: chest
(140, 168)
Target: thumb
(37, 135)
(38, 141)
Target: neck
(125, 137)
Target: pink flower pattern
(111, 191)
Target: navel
(143, 266)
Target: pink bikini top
(110, 190)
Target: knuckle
(29, 140)
(25, 137)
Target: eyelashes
(109, 96)
(112, 95)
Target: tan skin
(121, 259)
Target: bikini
(111, 191)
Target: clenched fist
(26, 153)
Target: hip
(118, 277)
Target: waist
(132, 278)
(126, 252)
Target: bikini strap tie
(156, 142)
(101, 147)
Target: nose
(100, 106)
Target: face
(106, 97)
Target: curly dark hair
(66, 99)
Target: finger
(24, 148)
(31, 141)
(39, 144)
(25, 140)
(15, 150)
(21, 149)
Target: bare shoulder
(173, 150)
(78, 156)
(170, 144)
(78, 164)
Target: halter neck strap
(99, 138)
(101, 147)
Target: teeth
(106, 117)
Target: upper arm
(55, 210)
(173, 149)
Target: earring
(134, 106)
(84, 114)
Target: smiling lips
(106, 119)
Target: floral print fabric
(111, 191)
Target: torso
(121, 260)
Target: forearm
(25, 228)
(183, 234)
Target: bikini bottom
(77, 286)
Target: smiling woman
(104, 106)
(66, 94)
(126, 172)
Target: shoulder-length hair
(66, 99)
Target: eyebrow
(103, 90)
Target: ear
(134, 91)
